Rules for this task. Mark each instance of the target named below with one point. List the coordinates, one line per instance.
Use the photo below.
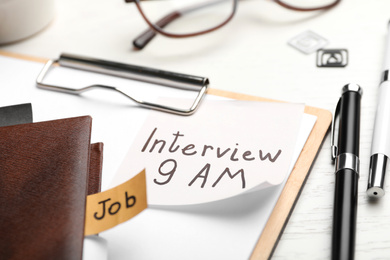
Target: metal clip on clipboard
(166, 78)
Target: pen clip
(333, 147)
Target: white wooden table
(251, 55)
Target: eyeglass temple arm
(144, 38)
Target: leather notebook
(44, 173)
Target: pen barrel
(380, 145)
(344, 216)
(381, 134)
(386, 63)
(349, 124)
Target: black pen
(346, 155)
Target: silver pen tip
(375, 192)
(376, 175)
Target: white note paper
(224, 149)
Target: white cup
(20, 19)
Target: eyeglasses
(199, 16)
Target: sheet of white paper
(223, 150)
(208, 231)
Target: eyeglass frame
(144, 38)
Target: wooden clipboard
(283, 209)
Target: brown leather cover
(43, 185)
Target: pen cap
(349, 124)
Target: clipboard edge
(284, 207)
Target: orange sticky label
(109, 208)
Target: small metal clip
(332, 134)
(166, 78)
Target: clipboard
(273, 230)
